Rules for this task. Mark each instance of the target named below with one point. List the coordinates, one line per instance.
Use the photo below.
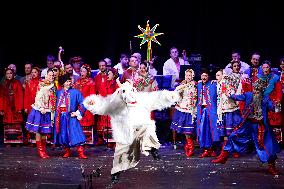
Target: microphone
(130, 47)
(83, 171)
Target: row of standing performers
(234, 109)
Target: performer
(228, 110)
(132, 127)
(31, 89)
(172, 66)
(131, 72)
(40, 118)
(282, 102)
(143, 81)
(29, 97)
(185, 115)
(255, 125)
(86, 86)
(67, 130)
(111, 87)
(207, 114)
(100, 88)
(56, 72)
(276, 117)
(11, 107)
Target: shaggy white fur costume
(133, 130)
(129, 109)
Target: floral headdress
(88, 68)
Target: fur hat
(62, 79)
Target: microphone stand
(88, 178)
(107, 125)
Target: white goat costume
(133, 129)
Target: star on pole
(148, 35)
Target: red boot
(111, 145)
(80, 150)
(236, 155)
(272, 169)
(67, 153)
(43, 143)
(189, 147)
(222, 158)
(40, 150)
(208, 153)
(100, 142)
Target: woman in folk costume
(228, 110)
(69, 110)
(185, 114)
(30, 94)
(11, 107)
(86, 86)
(31, 89)
(56, 71)
(143, 81)
(111, 86)
(40, 118)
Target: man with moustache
(207, 114)
(28, 71)
(100, 81)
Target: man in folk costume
(207, 114)
(282, 83)
(275, 116)
(133, 128)
(100, 88)
(277, 96)
(255, 125)
(67, 130)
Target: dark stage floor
(20, 167)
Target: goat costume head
(127, 93)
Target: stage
(20, 167)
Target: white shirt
(43, 72)
(245, 68)
(153, 71)
(170, 68)
(119, 68)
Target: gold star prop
(148, 35)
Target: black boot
(155, 154)
(115, 178)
